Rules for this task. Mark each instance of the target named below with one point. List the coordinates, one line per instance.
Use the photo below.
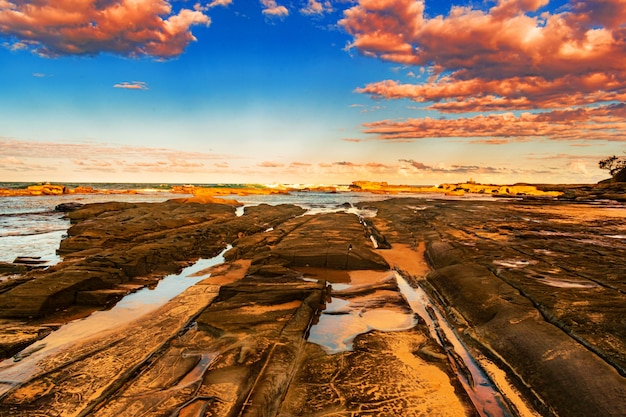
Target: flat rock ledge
(235, 344)
(537, 288)
(534, 289)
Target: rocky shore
(534, 289)
(605, 190)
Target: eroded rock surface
(236, 343)
(115, 248)
(538, 288)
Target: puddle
(566, 284)
(338, 325)
(484, 395)
(514, 263)
(126, 310)
(343, 320)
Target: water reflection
(128, 309)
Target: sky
(311, 91)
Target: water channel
(24, 365)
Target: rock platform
(535, 290)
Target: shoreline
(615, 191)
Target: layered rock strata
(537, 288)
(236, 343)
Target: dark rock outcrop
(538, 288)
(113, 243)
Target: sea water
(30, 226)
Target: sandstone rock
(111, 244)
(536, 287)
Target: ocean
(29, 226)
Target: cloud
(22, 149)
(270, 164)
(513, 56)
(11, 160)
(509, 40)
(315, 7)
(453, 169)
(272, 9)
(132, 28)
(222, 3)
(451, 95)
(133, 85)
(604, 123)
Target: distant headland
(605, 190)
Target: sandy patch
(407, 259)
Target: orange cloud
(125, 27)
(134, 85)
(519, 93)
(606, 123)
(270, 164)
(504, 42)
(513, 56)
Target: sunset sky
(308, 91)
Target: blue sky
(310, 92)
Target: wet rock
(334, 241)
(15, 338)
(536, 285)
(110, 244)
(66, 207)
(380, 376)
(11, 268)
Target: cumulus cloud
(513, 56)
(126, 27)
(315, 7)
(272, 9)
(133, 85)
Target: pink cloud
(315, 7)
(271, 8)
(125, 27)
(512, 56)
(134, 85)
(503, 42)
(518, 93)
(606, 123)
